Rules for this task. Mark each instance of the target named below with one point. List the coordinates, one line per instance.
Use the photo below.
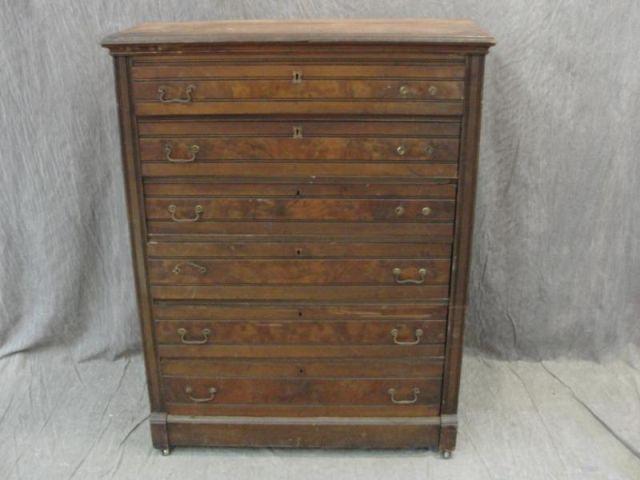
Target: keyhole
(298, 193)
(299, 313)
(301, 370)
(298, 251)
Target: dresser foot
(165, 452)
(446, 454)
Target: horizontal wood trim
(303, 170)
(284, 71)
(283, 127)
(284, 435)
(285, 107)
(299, 209)
(285, 89)
(327, 149)
(299, 333)
(299, 351)
(302, 293)
(297, 272)
(408, 367)
(298, 250)
(295, 391)
(428, 232)
(299, 312)
(304, 410)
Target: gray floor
(519, 420)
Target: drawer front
(304, 89)
(396, 273)
(219, 88)
(295, 391)
(292, 250)
(201, 332)
(196, 150)
(193, 210)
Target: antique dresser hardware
(418, 335)
(182, 333)
(193, 150)
(421, 272)
(318, 299)
(392, 394)
(198, 210)
(212, 394)
(178, 268)
(162, 95)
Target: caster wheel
(165, 452)
(446, 454)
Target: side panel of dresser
(461, 251)
(137, 227)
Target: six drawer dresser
(300, 199)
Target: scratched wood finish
(326, 149)
(300, 200)
(299, 333)
(304, 90)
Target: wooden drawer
(305, 89)
(303, 249)
(207, 332)
(295, 391)
(197, 150)
(304, 368)
(218, 88)
(194, 210)
(396, 273)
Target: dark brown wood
(299, 333)
(431, 31)
(300, 200)
(301, 149)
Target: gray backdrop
(557, 258)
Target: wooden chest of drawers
(300, 202)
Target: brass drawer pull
(429, 150)
(178, 268)
(432, 90)
(399, 210)
(401, 150)
(162, 95)
(426, 211)
(193, 149)
(404, 90)
(198, 209)
(396, 276)
(418, 334)
(212, 394)
(392, 394)
(182, 332)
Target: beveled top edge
(429, 31)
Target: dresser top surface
(430, 31)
